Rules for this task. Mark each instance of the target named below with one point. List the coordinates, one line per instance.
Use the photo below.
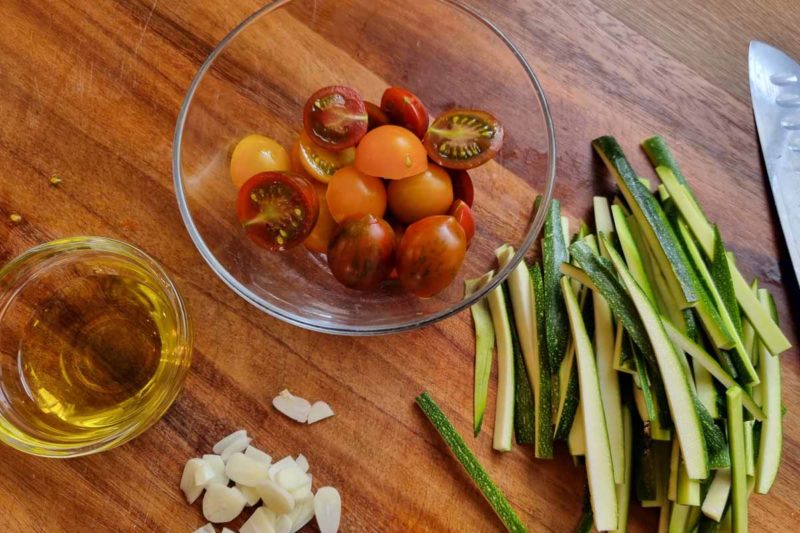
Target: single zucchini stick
(678, 518)
(599, 466)
(723, 281)
(504, 409)
(749, 449)
(576, 439)
(688, 490)
(624, 488)
(484, 348)
(659, 154)
(674, 463)
(676, 379)
(633, 257)
(738, 460)
(623, 354)
(771, 439)
(470, 463)
(716, 498)
(554, 252)
(528, 376)
(767, 329)
(706, 390)
(710, 363)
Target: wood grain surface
(91, 91)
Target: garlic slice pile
(239, 475)
(300, 409)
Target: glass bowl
(258, 79)
(95, 346)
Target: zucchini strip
(723, 281)
(716, 498)
(771, 440)
(484, 349)
(624, 488)
(504, 409)
(599, 468)
(676, 380)
(630, 250)
(456, 444)
(576, 439)
(554, 252)
(738, 460)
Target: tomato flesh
(463, 138)
(335, 117)
(361, 252)
(375, 116)
(428, 193)
(320, 163)
(320, 236)
(463, 215)
(257, 153)
(405, 109)
(277, 210)
(351, 192)
(391, 152)
(430, 255)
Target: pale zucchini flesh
(484, 349)
(738, 460)
(716, 498)
(504, 409)
(624, 488)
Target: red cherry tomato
(375, 115)
(463, 138)
(335, 117)
(430, 255)
(277, 209)
(463, 215)
(405, 109)
(361, 252)
(462, 186)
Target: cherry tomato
(319, 162)
(335, 117)
(254, 154)
(430, 255)
(351, 192)
(295, 165)
(405, 109)
(391, 152)
(463, 215)
(361, 252)
(376, 116)
(428, 193)
(463, 138)
(462, 186)
(278, 210)
(320, 236)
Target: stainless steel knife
(775, 91)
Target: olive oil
(87, 352)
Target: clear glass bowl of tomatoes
(346, 165)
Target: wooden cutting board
(91, 90)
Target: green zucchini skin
(738, 462)
(554, 252)
(484, 350)
(721, 274)
(638, 195)
(717, 444)
(544, 447)
(524, 423)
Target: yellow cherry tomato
(255, 154)
(426, 194)
(320, 236)
(319, 162)
(391, 152)
(351, 192)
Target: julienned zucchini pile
(643, 347)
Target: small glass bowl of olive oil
(95, 345)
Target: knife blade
(775, 92)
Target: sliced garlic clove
(191, 489)
(261, 521)
(283, 524)
(226, 530)
(294, 407)
(302, 515)
(218, 467)
(236, 446)
(203, 474)
(275, 497)
(319, 411)
(280, 465)
(291, 477)
(328, 509)
(222, 504)
(208, 528)
(302, 462)
(286, 393)
(303, 493)
(254, 453)
(246, 471)
(222, 444)
(250, 495)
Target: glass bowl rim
(127, 252)
(534, 229)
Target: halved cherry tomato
(375, 115)
(431, 254)
(335, 117)
(463, 138)
(319, 162)
(256, 153)
(295, 165)
(405, 109)
(462, 186)
(320, 236)
(351, 192)
(463, 215)
(391, 152)
(361, 252)
(277, 209)
(428, 193)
